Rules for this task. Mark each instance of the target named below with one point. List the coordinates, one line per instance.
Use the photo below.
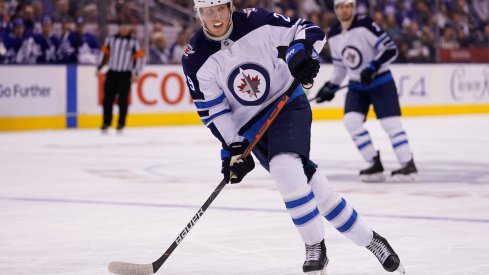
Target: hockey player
(235, 77)
(363, 51)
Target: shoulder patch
(188, 50)
(248, 11)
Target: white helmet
(199, 4)
(209, 3)
(337, 2)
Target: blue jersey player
(363, 51)
(235, 76)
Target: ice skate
(316, 259)
(120, 129)
(385, 254)
(374, 173)
(407, 173)
(104, 128)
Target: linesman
(125, 58)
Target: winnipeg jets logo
(249, 83)
(188, 50)
(353, 57)
(248, 11)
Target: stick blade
(130, 269)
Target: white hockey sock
(338, 212)
(353, 122)
(399, 139)
(288, 172)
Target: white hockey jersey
(353, 49)
(233, 80)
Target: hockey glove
(368, 74)
(233, 167)
(301, 64)
(326, 93)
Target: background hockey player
(235, 77)
(363, 51)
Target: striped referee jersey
(122, 54)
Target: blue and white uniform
(243, 74)
(235, 83)
(361, 45)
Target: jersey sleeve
(378, 39)
(339, 68)
(139, 58)
(286, 29)
(211, 103)
(104, 53)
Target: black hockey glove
(368, 74)
(234, 168)
(301, 64)
(326, 93)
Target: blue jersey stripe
(206, 121)
(363, 145)
(209, 104)
(300, 201)
(399, 134)
(336, 211)
(365, 133)
(381, 39)
(378, 81)
(304, 219)
(395, 145)
(345, 227)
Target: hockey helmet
(209, 3)
(199, 4)
(337, 2)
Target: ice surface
(72, 201)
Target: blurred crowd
(71, 31)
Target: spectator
(177, 48)
(449, 39)
(28, 15)
(62, 12)
(68, 48)
(481, 9)
(52, 41)
(13, 41)
(86, 43)
(38, 10)
(392, 28)
(158, 52)
(4, 19)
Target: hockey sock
(288, 172)
(353, 122)
(399, 139)
(338, 212)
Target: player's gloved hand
(326, 93)
(233, 167)
(367, 75)
(302, 66)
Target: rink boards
(59, 97)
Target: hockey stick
(145, 269)
(340, 88)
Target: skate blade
(400, 269)
(318, 272)
(405, 178)
(377, 177)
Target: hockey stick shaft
(340, 88)
(133, 269)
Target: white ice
(72, 201)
